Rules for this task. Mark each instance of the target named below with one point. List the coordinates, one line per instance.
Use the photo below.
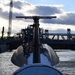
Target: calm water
(66, 65)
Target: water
(66, 65)
(6, 67)
(67, 62)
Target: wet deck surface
(66, 65)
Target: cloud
(45, 10)
(21, 8)
(58, 31)
(24, 8)
(62, 16)
(19, 4)
(5, 13)
(68, 18)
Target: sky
(68, 5)
(63, 9)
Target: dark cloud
(67, 18)
(45, 10)
(5, 14)
(49, 10)
(64, 19)
(17, 4)
(20, 4)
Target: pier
(55, 40)
(59, 40)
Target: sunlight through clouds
(63, 21)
